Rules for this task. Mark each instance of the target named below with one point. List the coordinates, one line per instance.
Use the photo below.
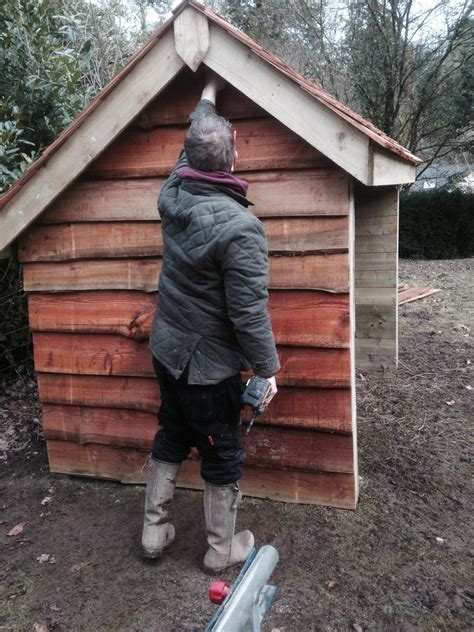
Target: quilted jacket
(212, 316)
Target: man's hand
(214, 83)
(272, 392)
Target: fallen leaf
(440, 540)
(451, 402)
(331, 584)
(46, 557)
(17, 529)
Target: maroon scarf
(213, 177)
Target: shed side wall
(376, 277)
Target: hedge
(436, 224)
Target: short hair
(209, 144)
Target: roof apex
(383, 153)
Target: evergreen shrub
(436, 224)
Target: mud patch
(401, 562)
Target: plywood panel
(303, 318)
(144, 239)
(324, 272)
(91, 354)
(273, 193)
(326, 409)
(127, 466)
(262, 144)
(265, 446)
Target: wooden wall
(376, 277)
(91, 267)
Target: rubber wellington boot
(158, 533)
(220, 511)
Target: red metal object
(218, 591)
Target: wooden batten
(313, 272)
(299, 318)
(128, 466)
(319, 408)
(291, 448)
(319, 192)
(91, 354)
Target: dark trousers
(205, 417)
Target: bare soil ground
(401, 562)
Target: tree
(409, 71)
(55, 55)
(406, 68)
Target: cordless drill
(255, 393)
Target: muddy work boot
(220, 511)
(158, 533)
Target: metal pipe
(238, 611)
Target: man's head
(209, 144)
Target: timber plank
(301, 318)
(136, 393)
(374, 243)
(64, 242)
(108, 426)
(106, 201)
(108, 354)
(375, 321)
(179, 99)
(127, 466)
(320, 192)
(266, 446)
(325, 409)
(315, 272)
(144, 239)
(310, 318)
(262, 144)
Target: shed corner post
(376, 277)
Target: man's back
(212, 314)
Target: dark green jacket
(212, 312)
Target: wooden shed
(84, 221)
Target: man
(211, 323)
